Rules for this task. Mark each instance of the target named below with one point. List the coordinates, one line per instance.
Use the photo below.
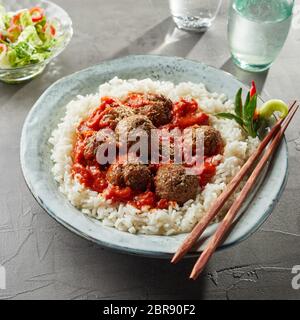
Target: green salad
(26, 37)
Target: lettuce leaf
(20, 54)
(30, 35)
(2, 18)
(25, 19)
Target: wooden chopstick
(233, 211)
(219, 203)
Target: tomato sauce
(138, 200)
(207, 172)
(95, 121)
(117, 194)
(137, 100)
(92, 175)
(186, 114)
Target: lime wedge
(271, 106)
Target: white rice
(125, 217)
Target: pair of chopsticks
(276, 133)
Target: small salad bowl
(63, 32)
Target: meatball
(115, 176)
(90, 147)
(134, 175)
(113, 115)
(172, 183)
(134, 124)
(156, 107)
(213, 142)
(137, 176)
(93, 142)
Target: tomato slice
(13, 32)
(3, 50)
(51, 29)
(37, 14)
(3, 47)
(15, 20)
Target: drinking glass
(194, 15)
(257, 30)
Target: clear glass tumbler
(194, 15)
(257, 30)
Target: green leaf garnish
(246, 102)
(238, 103)
(244, 113)
(249, 112)
(252, 120)
(231, 116)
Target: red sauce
(186, 114)
(138, 200)
(93, 176)
(137, 100)
(207, 172)
(117, 194)
(164, 204)
(95, 121)
(147, 198)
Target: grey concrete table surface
(45, 261)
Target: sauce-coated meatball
(115, 176)
(213, 142)
(156, 107)
(137, 176)
(134, 175)
(172, 183)
(133, 125)
(113, 115)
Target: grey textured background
(45, 261)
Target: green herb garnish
(248, 116)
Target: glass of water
(257, 30)
(194, 15)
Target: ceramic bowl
(48, 110)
